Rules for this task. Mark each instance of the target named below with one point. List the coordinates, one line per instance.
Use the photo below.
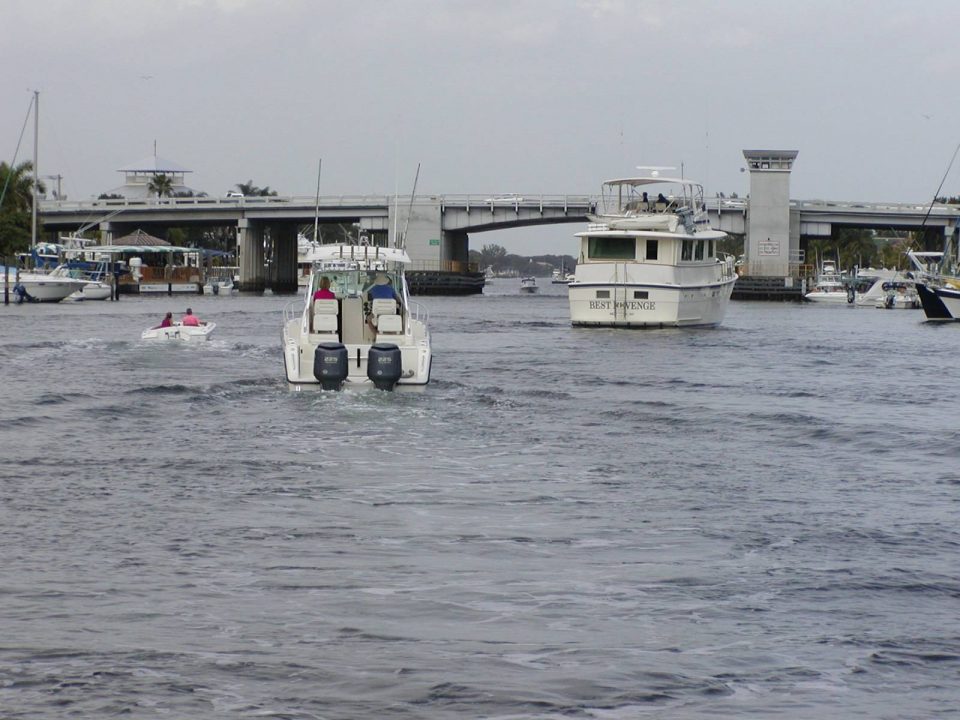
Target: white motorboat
(218, 287)
(180, 332)
(354, 338)
(528, 285)
(888, 290)
(830, 286)
(648, 262)
(561, 277)
(94, 276)
(40, 287)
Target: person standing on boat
(191, 320)
(324, 293)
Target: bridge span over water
(437, 227)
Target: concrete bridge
(438, 227)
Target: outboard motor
(383, 365)
(330, 365)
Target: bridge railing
(213, 202)
(518, 200)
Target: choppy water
(759, 520)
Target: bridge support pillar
(106, 233)
(250, 255)
(284, 275)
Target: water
(759, 520)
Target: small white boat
(561, 277)
(218, 287)
(180, 332)
(361, 334)
(528, 285)
(830, 286)
(95, 290)
(648, 262)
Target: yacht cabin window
(640, 294)
(652, 247)
(698, 250)
(611, 248)
(603, 294)
(686, 251)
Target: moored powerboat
(830, 286)
(180, 333)
(364, 330)
(41, 287)
(651, 262)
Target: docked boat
(651, 262)
(364, 330)
(528, 285)
(40, 287)
(888, 290)
(937, 280)
(95, 277)
(178, 332)
(561, 277)
(830, 286)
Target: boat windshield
(354, 282)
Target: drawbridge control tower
(772, 247)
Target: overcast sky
(489, 96)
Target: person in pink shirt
(324, 293)
(190, 319)
(167, 320)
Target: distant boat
(528, 285)
(651, 262)
(830, 286)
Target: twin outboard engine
(330, 365)
(383, 365)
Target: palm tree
(16, 186)
(250, 190)
(161, 184)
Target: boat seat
(382, 306)
(325, 317)
(389, 325)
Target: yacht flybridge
(650, 259)
(356, 324)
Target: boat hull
(416, 358)
(941, 303)
(640, 305)
(93, 291)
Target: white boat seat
(325, 316)
(384, 307)
(390, 325)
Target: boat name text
(625, 304)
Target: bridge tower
(772, 246)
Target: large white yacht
(351, 337)
(650, 259)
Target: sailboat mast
(36, 183)
(316, 210)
